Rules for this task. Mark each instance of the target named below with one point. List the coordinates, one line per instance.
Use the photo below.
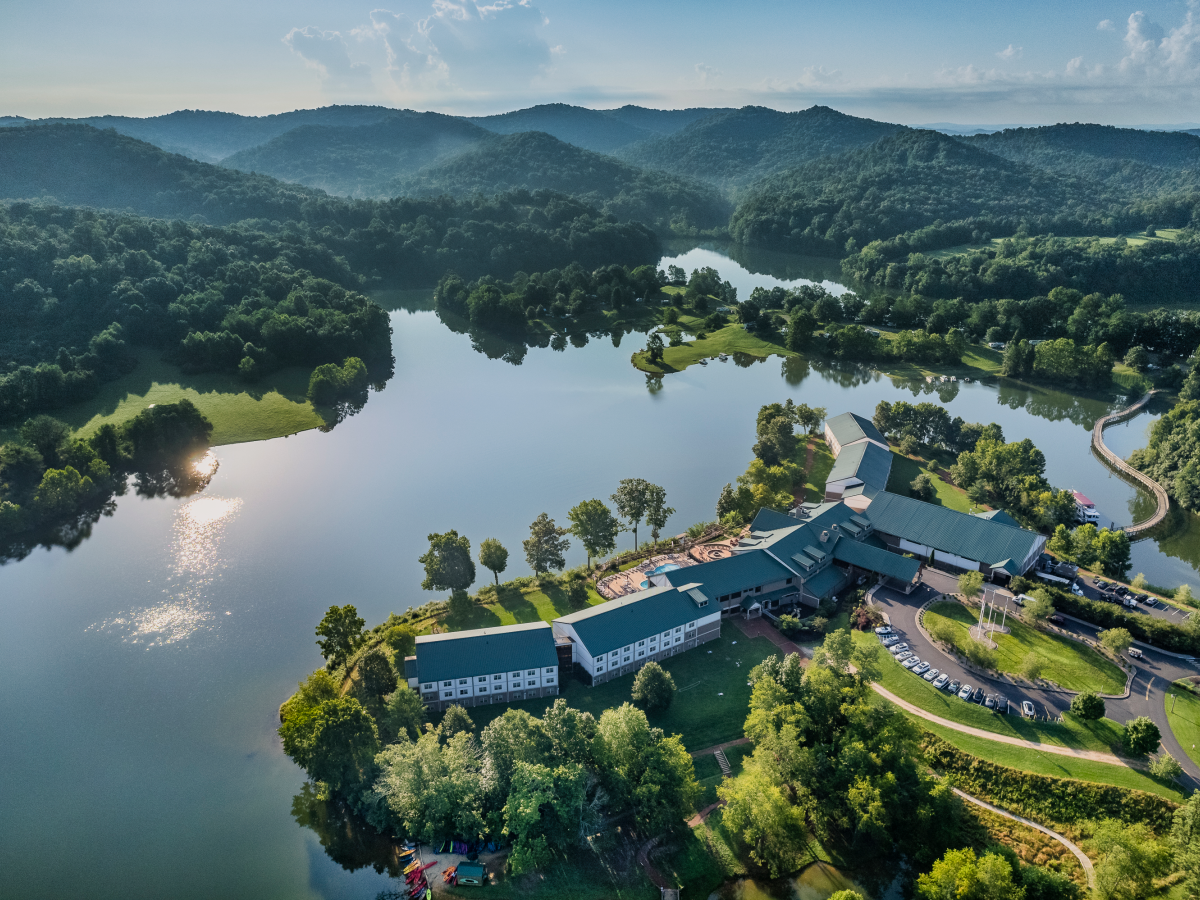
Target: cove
(143, 669)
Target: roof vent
(835, 528)
(824, 536)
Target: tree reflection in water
(346, 837)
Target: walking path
(1088, 869)
(1096, 755)
(1164, 502)
(753, 628)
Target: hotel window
(599, 659)
(531, 672)
(447, 683)
(641, 653)
(516, 684)
(641, 643)
(516, 674)
(449, 693)
(497, 677)
(482, 690)
(599, 668)
(428, 687)
(615, 653)
(789, 581)
(691, 625)
(667, 635)
(463, 693)
(462, 681)
(678, 629)
(735, 595)
(758, 590)
(549, 670)
(549, 681)
(626, 659)
(482, 678)
(678, 639)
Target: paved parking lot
(1154, 607)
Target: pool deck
(622, 584)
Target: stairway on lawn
(723, 762)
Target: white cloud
(1161, 56)
(1074, 65)
(327, 53)
(464, 45)
(1106, 25)
(1011, 52)
(706, 73)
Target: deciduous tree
(1141, 736)
(546, 545)
(631, 499)
(1088, 705)
(494, 556)
(657, 511)
(448, 563)
(340, 632)
(653, 687)
(596, 527)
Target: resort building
(614, 638)
(848, 429)
(487, 665)
(785, 562)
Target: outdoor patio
(632, 580)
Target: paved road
(1155, 671)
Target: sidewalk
(762, 628)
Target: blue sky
(1006, 61)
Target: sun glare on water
(196, 561)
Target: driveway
(1156, 608)
(1155, 670)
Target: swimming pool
(665, 567)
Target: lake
(143, 670)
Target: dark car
(977, 697)
(1001, 703)
(1056, 619)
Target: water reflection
(817, 882)
(196, 561)
(346, 837)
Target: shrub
(909, 445)
(1158, 632)
(1165, 766)
(1043, 797)
(1088, 705)
(1141, 736)
(922, 487)
(653, 686)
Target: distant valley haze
(965, 67)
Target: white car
(1027, 708)
(911, 662)
(898, 649)
(1075, 589)
(901, 657)
(965, 692)
(883, 629)
(930, 675)
(888, 639)
(941, 680)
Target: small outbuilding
(471, 873)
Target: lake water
(816, 882)
(142, 671)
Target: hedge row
(1158, 632)
(1044, 798)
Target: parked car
(921, 668)
(897, 650)
(1027, 708)
(888, 639)
(1056, 619)
(911, 662)
(1075, 589)
(884, 629)
(1102, 584)
(953, 687)
(931, 674)
(1135, 652)
(901, 657)
(941, 680)
(977, 697)
(965, 693)
(989, 701)
(1001, 703)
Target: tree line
(54, 487)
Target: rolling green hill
(536, 161)
(361, 161)
(905, 182)
(733, 148)
(591, 129)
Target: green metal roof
(875, 560)
(462, 654)
(734, 573)
(944, 529)
(998, 515)
(826, 582)
(850, 427)
(617, 623)
(867, 462)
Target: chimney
(824, 536)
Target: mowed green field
(1184, 716)
(1069, 664)
(273, 407)
(904, 472)
(712, 692)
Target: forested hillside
(211, 136)
(1135, 161)
(736, 147)
(661, 121)
(907, 181)
(536, 161)
(591, 129)
(361, 161)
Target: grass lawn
(273, 407)
(731, 339)
(514, 606)
(904, 472)
(1074, 666)
(1185, 720)
(814, 485)
(712, 696)
(1028, 760)
(1101, 735)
